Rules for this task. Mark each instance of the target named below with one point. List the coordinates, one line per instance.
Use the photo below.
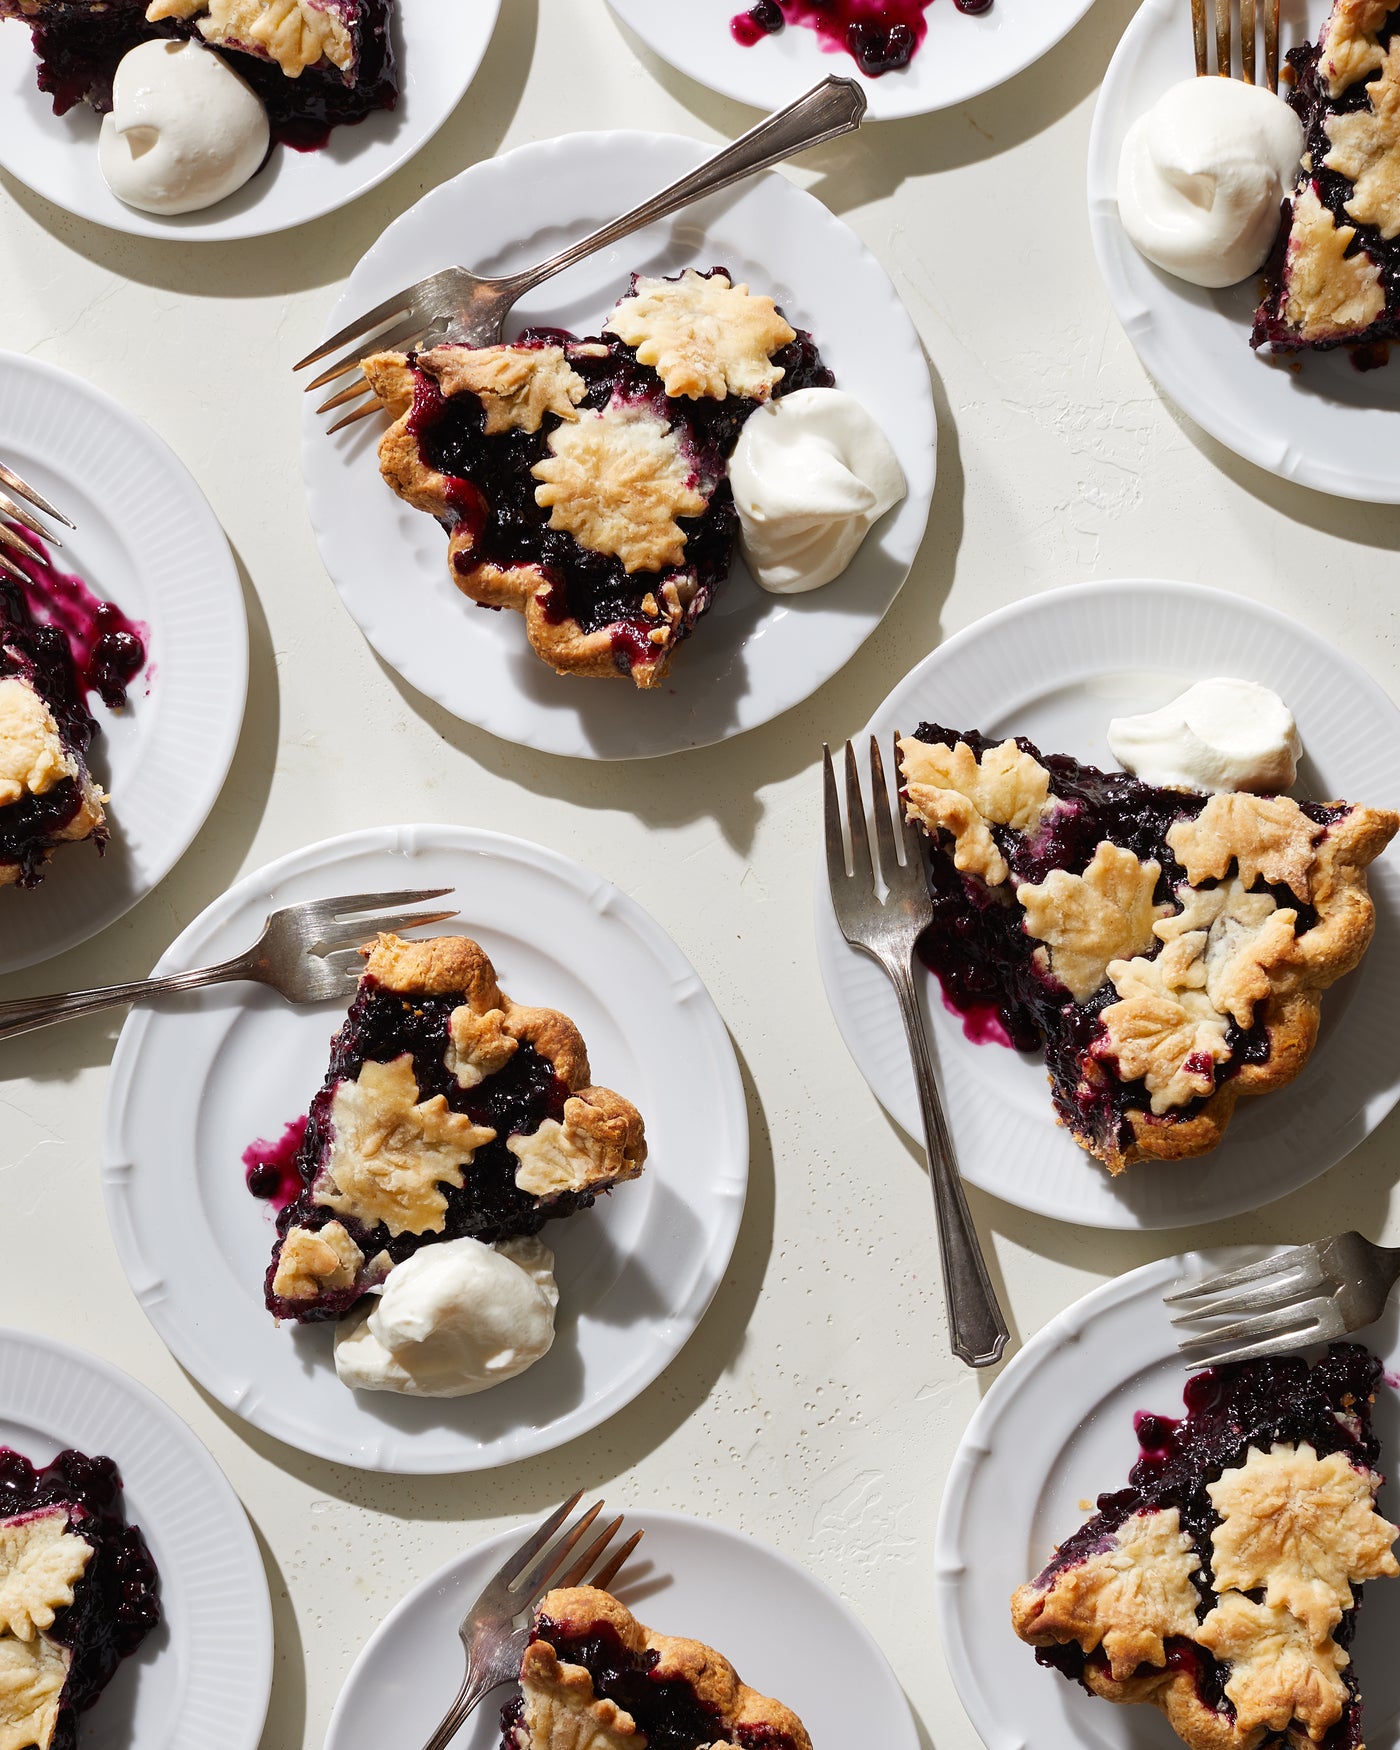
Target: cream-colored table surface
(818, 1405)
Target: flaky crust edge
(563, 644)
(1174, 1692)
(1334, 946)
(456, 965)
(714, 1680)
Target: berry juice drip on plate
(880, 35)
(109, 650)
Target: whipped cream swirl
(1220, 734)
(1203, 176)
(184, 131)
(453, 1319)
(812, 474)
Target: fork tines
(533, 1569)
(12, 512)
(1205, 13)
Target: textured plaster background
(817, 1406)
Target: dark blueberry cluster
(116, 1604)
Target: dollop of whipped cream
(453, 1319)
(812, 474)
(1219, 735)
(184, 130)
(1203, 176)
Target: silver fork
(307, 953)
(887, 931)
(1307, 1294)
(492, 1631)
(11, 511)
(1201, 29)
(471, 309)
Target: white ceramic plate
(201, 1680)
(754, 655)
(147, 540)
(196, 1080)
(1055, 1430)
(1056, 668)
(789, 1636)
(960, 57)
(441, 43)
(1317, 421)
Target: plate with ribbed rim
(196, 1079)
(753, 655)
(200, 1681)
(790, 1636)
(1054, 1431)
(1056, 668)
(1313, 419)
(146, 539)
(441, 45)
(961, 57)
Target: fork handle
(830, 109)
(976, 1323)
(28, 1014)
(473, 1692)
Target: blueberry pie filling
(78, 1593)
(57, 644)
(880, 36)
(584, 483)
(1222, 1584)
(448, 1112)
(316, 64)
(1334, 276)
(593, 1675)
(1165, 950)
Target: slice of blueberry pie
(314, 63)
(448, 1112)
(1222, 1584)
(78, 1594)
(1166, 950)
(47, 794)
(1334, 278)
(593, 1678)
(584, 482)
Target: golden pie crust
(296, 34)
(563, 1713)
(1299, 1529)
(1182, 973)
(619, 485)
(703, 336)
(599, 1124)
(1329, 291)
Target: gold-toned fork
(471, 309)
(1212, 17)
(12, 489)
(496, 1630)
